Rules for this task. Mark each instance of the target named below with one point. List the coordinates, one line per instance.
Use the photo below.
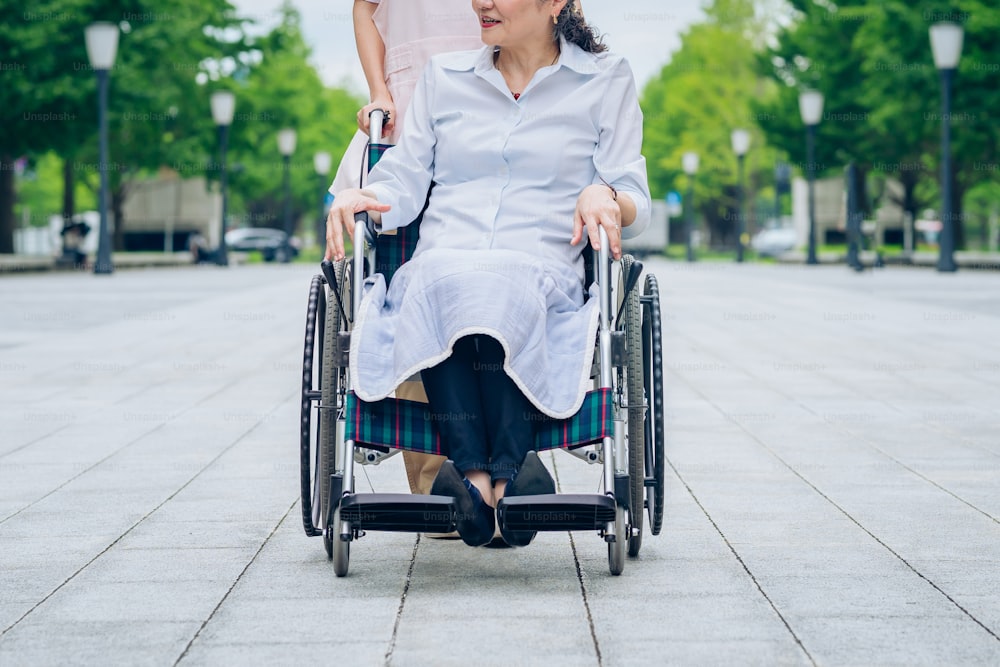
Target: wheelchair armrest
(370, 232)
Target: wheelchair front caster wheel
(328, 544)
(616, 549)
(341, 548)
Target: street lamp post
(811, 109)
(690, 163)
(322, 161)
(286, 145)
(102, 45)
(946, 43)
(223, 105)
(741, 144)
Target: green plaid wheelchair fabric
(399, 424)
(375, 152)
(391, 250)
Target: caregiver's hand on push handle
(388, 108)
(341, 217)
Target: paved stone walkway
(833, 488)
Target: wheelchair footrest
(400, 512)
(557, 511)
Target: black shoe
(476, 519)
(497, 543)
(532, 479)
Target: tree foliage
(698, 99)
(874, 65)
(172, 55)
(162, 46)
(282, 90)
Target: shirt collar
(481, 61)
(575, 58)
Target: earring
(555, 21)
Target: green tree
(163, 45)
(874, 65)
(40, 191)
(905, 105)
(813, 52)
(693, 105)
(38, 46)
(281, 89)
(159, 111)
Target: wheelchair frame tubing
(359, 268)
(604, 282)
(345, 530)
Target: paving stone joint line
(851, 518)
(579, 577)
(402, 601)
(860, 437)
(132, 527)
(742, 563)
(239, 578)
(30, 443)
(120, 450)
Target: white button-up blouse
(507, 173)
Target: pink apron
(413, 31)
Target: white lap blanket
(441, 295)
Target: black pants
(485, 422)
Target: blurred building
(887, 225)
(163, 213)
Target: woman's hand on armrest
(597, 207)
(341, 217)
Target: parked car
(273, 244)
(774, 242)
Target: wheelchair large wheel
(309, 440)
(652, 360)
(332, 392)
(634, 373)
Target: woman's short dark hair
(575, 29)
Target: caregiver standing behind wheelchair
(526, 146)
(395, 39)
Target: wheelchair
(619, 427)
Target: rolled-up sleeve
(402, 177)
(618, 158)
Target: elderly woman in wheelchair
(529, 149)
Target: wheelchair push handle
(376, 119)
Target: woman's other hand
(384, 103)
(341, 217)
(596, 207)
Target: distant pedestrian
(73, 235)
(201, 253)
